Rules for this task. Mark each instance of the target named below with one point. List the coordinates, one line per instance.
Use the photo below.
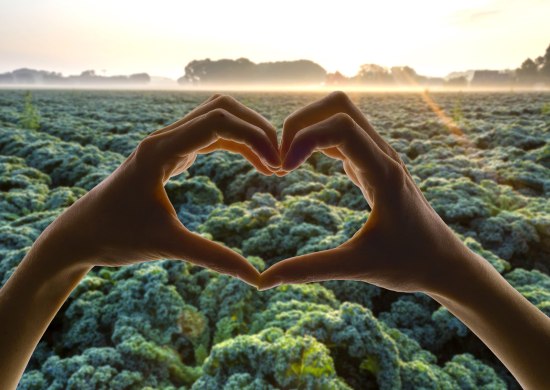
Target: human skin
(126, 219)
(404, 245)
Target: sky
(435, 37)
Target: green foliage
(419, 317)
(274, 230)
(533, 285)
(292, 362)
(30, 118)
(168, 324)
(457, 114)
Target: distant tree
(7, 78)
(143, 78)
(527, 73)
(88, 73)
(373, 74)
(242, 70)
(30, 118)
(25, 76)
(545, 67)
(454, 82)
(488, 78)
(336, 78)
(33, 76)
(404, 75)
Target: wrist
(459, 274)
(516, 331)
(56, 262)
(67, 239)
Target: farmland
(482, 163)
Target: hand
(404, 245)
(128, 217)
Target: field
(167, 324)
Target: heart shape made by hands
(337, 128)
(130, 216)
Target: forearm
(30, 300)
(516, 331)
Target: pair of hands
(128, 218)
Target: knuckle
(339, 97)
(226, 100)
(344, 120)
(393, 154)
(288, 122)
(272, 136)
(395, 174)
(217, 114)
(215, 96)
(271, 129)
(146, 147)
(299, 137)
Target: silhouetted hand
(404, 244)
(128, 217)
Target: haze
(124, 37)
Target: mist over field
(243, 74)
(481, 159)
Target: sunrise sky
(127, 36)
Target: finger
(214, 96)
(281, 172)
(206, 253)
(332, 152)
(351, 174)
(234, 107)
(342, 132)
(332, 264)
(185, 118)
(166, 148)
(324, 108)
(335, 153)
(235, 147)
(238, 109)
(180, 167)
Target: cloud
(474, 16)
(482, 15)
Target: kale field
(170, 325)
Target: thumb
(200, 251)
(329, 264)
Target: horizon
(162, 78)
(124, 38)
(275, 88)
